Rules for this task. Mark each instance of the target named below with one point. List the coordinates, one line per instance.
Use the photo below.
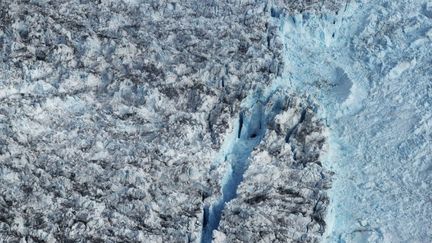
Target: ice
(397, 71)
(179, 121)
(374, 88)
(284, 186)
(234, 155)
(236, 152)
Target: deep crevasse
(368, 67)
(249, 133)
(236, 151)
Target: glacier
(215, 121)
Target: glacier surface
(215, 121)
(369, 65)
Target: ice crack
(249, 134)
(259, 110)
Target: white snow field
(370, 67)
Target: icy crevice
(240, 125)
(258, 110)
(249, 134)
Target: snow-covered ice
(369, 66)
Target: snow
(397, 71)
(373, 81)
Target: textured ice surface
(187, 121)
(274, 188)
(369, 66)
(116, 118)
(282, 197)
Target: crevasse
(249, 131)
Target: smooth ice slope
(370, 67)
